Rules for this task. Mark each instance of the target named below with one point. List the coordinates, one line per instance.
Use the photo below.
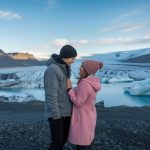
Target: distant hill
(21, 56)
(18, 60)
(6, 60)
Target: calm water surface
(111, 94)
(114, 95)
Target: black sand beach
(23, 127)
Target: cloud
(137, 11)
(124, 27)
(44, 52)
(133, 13)
(104, 41)
(58, 43)
(41, 55)
(147, 32)
(143, 40)
(53, 46)
(131, 27)
(7, 15)
(122, 24)
(129, 41)
(83, 41)
(121, 41)
(63, 41)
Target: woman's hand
(69, 84)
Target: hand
(69, 84)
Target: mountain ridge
(21, 56)
(18, 59)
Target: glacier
(29, 78)
(114, 71)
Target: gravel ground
(118, 128)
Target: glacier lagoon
(115, 76)
(112, 95)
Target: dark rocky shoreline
(23, 127)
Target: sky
(42, 27)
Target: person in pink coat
(83, 120)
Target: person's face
(69, 61)
(82, 71)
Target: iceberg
(115, 80)
(16, 98)
(8, 83)
(25, 77)
(139, 88)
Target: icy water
(111, 94)
(114, 95)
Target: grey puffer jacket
(57, 103)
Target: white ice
(139, 88)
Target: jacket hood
(50, 61)
(94, 82)
(55, 59)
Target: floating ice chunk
(116, 79)
(8, 83)
(112, 80)
(27, 98)
(139, 88)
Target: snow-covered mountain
(111, 72)
(123, 56)
(115, 69)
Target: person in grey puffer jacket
(58, 106)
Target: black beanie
(67, 51)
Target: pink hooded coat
(83, 120)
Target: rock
(119, 128)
